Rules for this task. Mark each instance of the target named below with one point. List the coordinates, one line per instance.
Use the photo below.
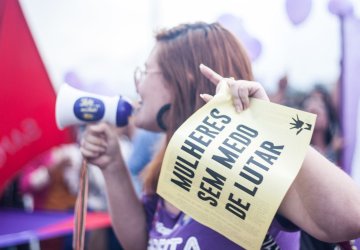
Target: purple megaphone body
(123, 112)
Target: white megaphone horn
(75, 107)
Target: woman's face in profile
(153, 93)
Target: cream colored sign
(230, 171)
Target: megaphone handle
(81, 209)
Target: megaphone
(76, 107)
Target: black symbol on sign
(299, 125)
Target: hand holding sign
(240, 90)
(230, 170)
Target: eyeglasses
(141, 72)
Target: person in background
(49, 179)
(326, 140)
(145, 145)
(172, 87)
(49, 182)
(12, 198)
(285, 95)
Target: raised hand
(240, 90)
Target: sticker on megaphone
(75, 107)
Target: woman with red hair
(172, 86)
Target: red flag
(27, 98)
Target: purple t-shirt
(180, 232)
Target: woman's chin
(140, 123)
(151, 126)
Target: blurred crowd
(323, 101)
(326, 138)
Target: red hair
(181, 50)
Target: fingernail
(238, 109)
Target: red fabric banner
(27, 98)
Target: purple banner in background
(350, 102)
(18, 227)
(351, 90)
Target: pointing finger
(206, 97)
(210, 74)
